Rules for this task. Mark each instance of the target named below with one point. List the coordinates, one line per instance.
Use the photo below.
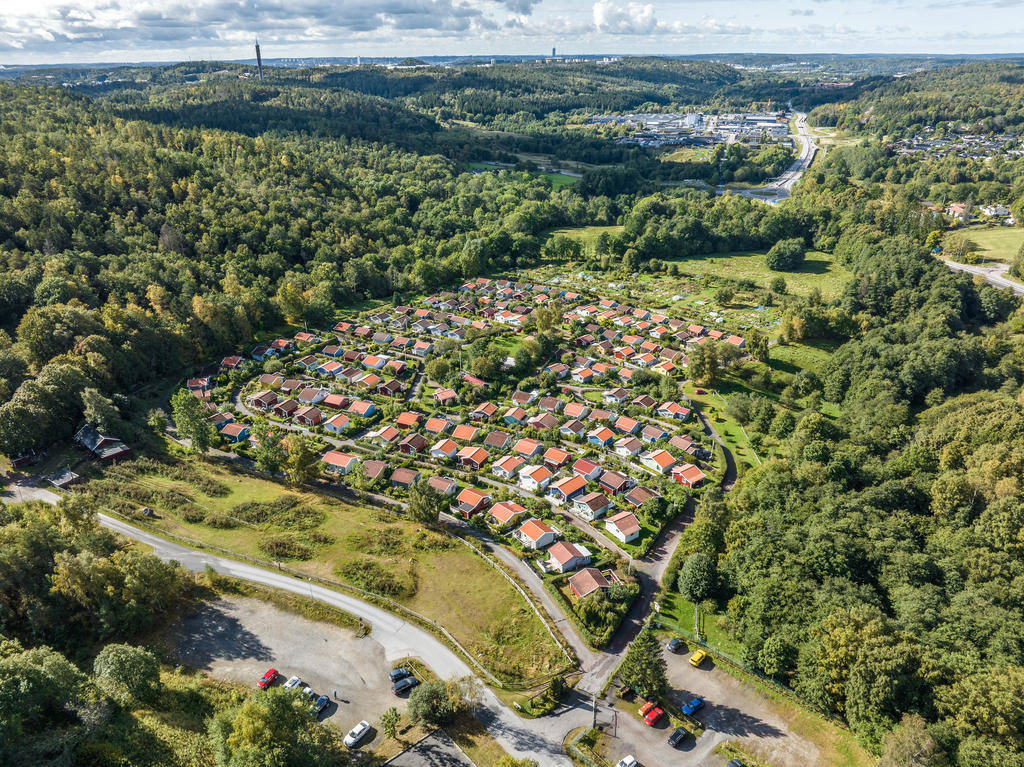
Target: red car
(651, 717)
(268, 679)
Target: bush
(370, 575)
(785, 255)
(285, 547)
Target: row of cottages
(341, 464)
(304, 408)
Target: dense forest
(984, 97)
(874, 566)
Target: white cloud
(631, 19)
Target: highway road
(779, 188)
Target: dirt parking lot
(238, 639)
(733, 711)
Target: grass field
(713, 406)
(559, 180)
(687, 153)
(792, 358)
(371, 549)
(587, 234)
(997, 243)
(675, 609)
(818, 271)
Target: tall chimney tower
(259, 60)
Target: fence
(584, 752)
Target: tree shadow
(208, 634)
(436, 750)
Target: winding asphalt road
(993, 274)
(533, 738)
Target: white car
(292, 683)
(627, 761)
(308, 692)
(356, 733)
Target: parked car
(734, 763)
(697, 658)
(652, 717)
(693, 706)
(308, 692)
(400, 673)
(292, 683)
(404, 684)
(647, 707)
(674, 644)
(626, 761)
(678, 736)
(319, 705)
(356, 733)
(268, 679)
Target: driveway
(238, 639)
(24, 491)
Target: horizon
(436, 59)
(84, 32)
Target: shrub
(285, 547)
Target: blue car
(399, 673)
(693, 706)
(319, 705)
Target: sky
(80, 31)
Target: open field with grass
(712, 404)
(686, 153)
(587, 235)
(559, 180)
(997, 243)
(818, 271)
(371, 549)
(792, 358)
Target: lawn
(684, 154)
(997, 243)
(818, 271)
(371, 549)
(680, 612)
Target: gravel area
(238, 639)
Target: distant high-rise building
(359, 61)
(259, 60)
(553, 52)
